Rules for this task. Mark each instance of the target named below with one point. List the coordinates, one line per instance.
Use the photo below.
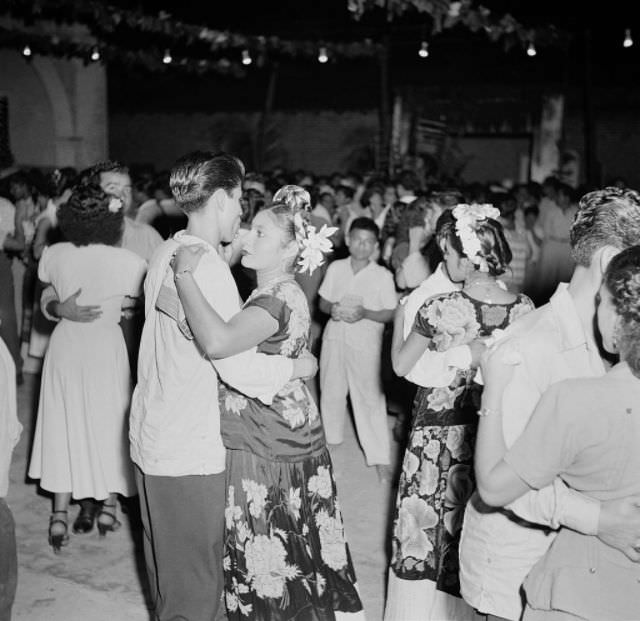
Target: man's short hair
(607, 217)
(365, 224)
(196, 177)
(92, 174)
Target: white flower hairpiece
(313, 245)
(467, 217)
(115, 204)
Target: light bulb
(26, 51)
(423, 52)
(246, 58)
(95, 54)
(628, 41)
(531, 50)
(166, 59)
(322, 55)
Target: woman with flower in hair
(80, 446)
(586, 431)
(437, 473)
(285, 553)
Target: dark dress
(285, 552)
(437, 472)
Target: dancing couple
(236, 483)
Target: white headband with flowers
(313, 245)
(467, 217)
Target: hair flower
(314, 246)
(115, 204)
(467, 217)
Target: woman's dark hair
(85, 218)
(365, 199)
(196, 177)
(622, 279)
(349, 192)
(494, 246)
(61, 179)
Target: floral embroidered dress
(437, 472)
(285, 552)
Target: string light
(26, 51)
(95, 54)
(423, 52)
(246, 57)
(628, 41)
(166, 59)
(322, 55)
(531, 50)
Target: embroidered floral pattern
(452, 320)
(493, 315)
(520, 309)
(437, 471)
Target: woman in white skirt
(81, 444)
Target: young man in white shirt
(360, 297)
(553, 343)
(175, 421)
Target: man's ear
(605, 254)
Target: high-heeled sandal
(113, 524)
(86, 517)
(56, 541)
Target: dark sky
(457, 56)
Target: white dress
(81, 439)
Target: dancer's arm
(217, 338)
(405, 353)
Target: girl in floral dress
(437, 471)
(285, 553)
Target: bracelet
(181, 273)
(487, 412)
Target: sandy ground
(102, 579)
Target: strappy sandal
(112, 525)
(86, 517)
(57, 540)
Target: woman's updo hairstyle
(494, 247)
(622, 279)
(288, 201)
(87, 219)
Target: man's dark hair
(92, 174)
(607, 217)
(365, 224)
(196, 177)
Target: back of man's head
(92, 174)
(196, 176)
(607, 217)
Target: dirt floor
(101, 579)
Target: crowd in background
(418, 286)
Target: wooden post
(384, 110)
(264, 119)
(592, 172)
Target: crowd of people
(182, 319)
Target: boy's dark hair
(196, 177)
(365, 224)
